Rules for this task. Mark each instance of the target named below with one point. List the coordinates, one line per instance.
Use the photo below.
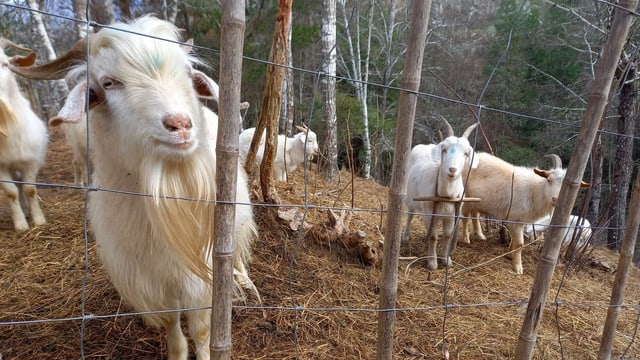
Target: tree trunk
(125, 8)
(286, 112)
(42, 44)
(80, 11)
(398, 188)
(358, 75)
(330, 124)
(232, 37)
(597, 160)
(622, 20)
(102, 11)
(270, 111)
(386, 73)
(623, 158)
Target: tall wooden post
(398, 186)
(232, 41)
(597, 101)
(622, 272)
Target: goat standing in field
(290, 153)
(23, 143)
(151, 135)
(516, 194)
(438, 174)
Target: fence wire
(296, 306)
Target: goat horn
(557, 162)
(449, 131)
(56, 69)
(468, 131)
(303, 129)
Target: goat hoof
(39, 220)
(518, 269)
(432, 264)
(21, 225)
(448, 262)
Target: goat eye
(109, 83)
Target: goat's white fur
(438, 173)
(578, 227)
(290, 152)
(151, 135)
(516, 194)
(23, 148)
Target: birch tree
(329, 119)
(41, 42)
(356, 66)
(286, 110)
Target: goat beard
(181, 207)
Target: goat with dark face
(151, 135)
(23, 142)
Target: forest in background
(523, 67)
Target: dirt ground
(319, 301)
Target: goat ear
(436, 153)
(24, 61)
(73, 109)
(543, 173)
(205, 86)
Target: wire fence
(302, 302)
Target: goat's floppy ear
(73, 109)
(24, 61)
(205, 86)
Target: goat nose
(453, 170)
(177, 122)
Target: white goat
(151, 136)
(75, 134)
(438, 174)
(578, 228)
(290, 153)
(23, 143)
(516, 194)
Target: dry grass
(335, 297)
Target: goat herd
(151, 135)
